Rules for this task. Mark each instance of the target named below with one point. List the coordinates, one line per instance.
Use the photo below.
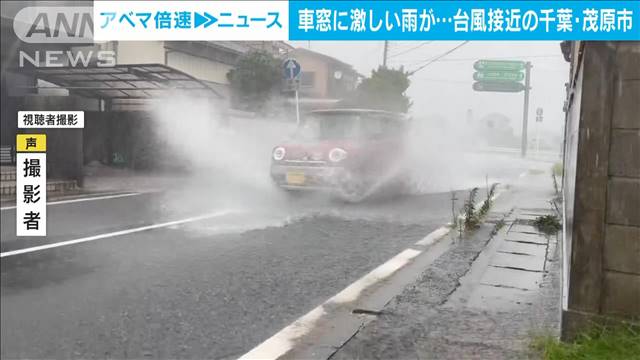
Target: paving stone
(526, 237)
(528, 262)
(492, 297)
(512, 278)
(529, 229)
(517, 247)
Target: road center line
(114, 234)
(104, 197)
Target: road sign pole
(538, 121)
(525, 111)
(537, 138)
(297, 108)
(292, 73)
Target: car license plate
(295, 178)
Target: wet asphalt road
(213, 288)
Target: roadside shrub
(548, 224)
(471, 219)
(486, 205)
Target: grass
(619, 343)
(556, 172)
(471, 220)
(548, 224)
(486, 204)
(556, 169)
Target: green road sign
(498, 76)
(498, 65)
(498, 86)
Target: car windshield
(338, 126)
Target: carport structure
(139, 81)
(127, 87)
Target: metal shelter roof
(138, 81)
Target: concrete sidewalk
(485, 298)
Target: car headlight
(337, 155)
(278, 153)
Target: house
(324, 77)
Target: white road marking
(81, 199)
(280, 343)
(382, 272)
(284, 340)
(114, 234)
(433, 236)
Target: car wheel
(353, 192)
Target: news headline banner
(366, 20)
(464, 20)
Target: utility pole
(525, 111)
(538, 121)
(454, 217)
(385, 53)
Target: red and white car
(346, 151)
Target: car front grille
(310, 163)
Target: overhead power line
(467, 82)
(410, 49)
(434, 59)
(491, 58)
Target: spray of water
(229, 159)
(445, 154)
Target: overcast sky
(444, 87)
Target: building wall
(320, 70)
(199, 67)
(345, 85)
(140, 52)
(602, 185)
(156, 52)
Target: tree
(254, 80)
(384, 90)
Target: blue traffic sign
(291, 69)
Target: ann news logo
(47, 25)
(59, 25)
